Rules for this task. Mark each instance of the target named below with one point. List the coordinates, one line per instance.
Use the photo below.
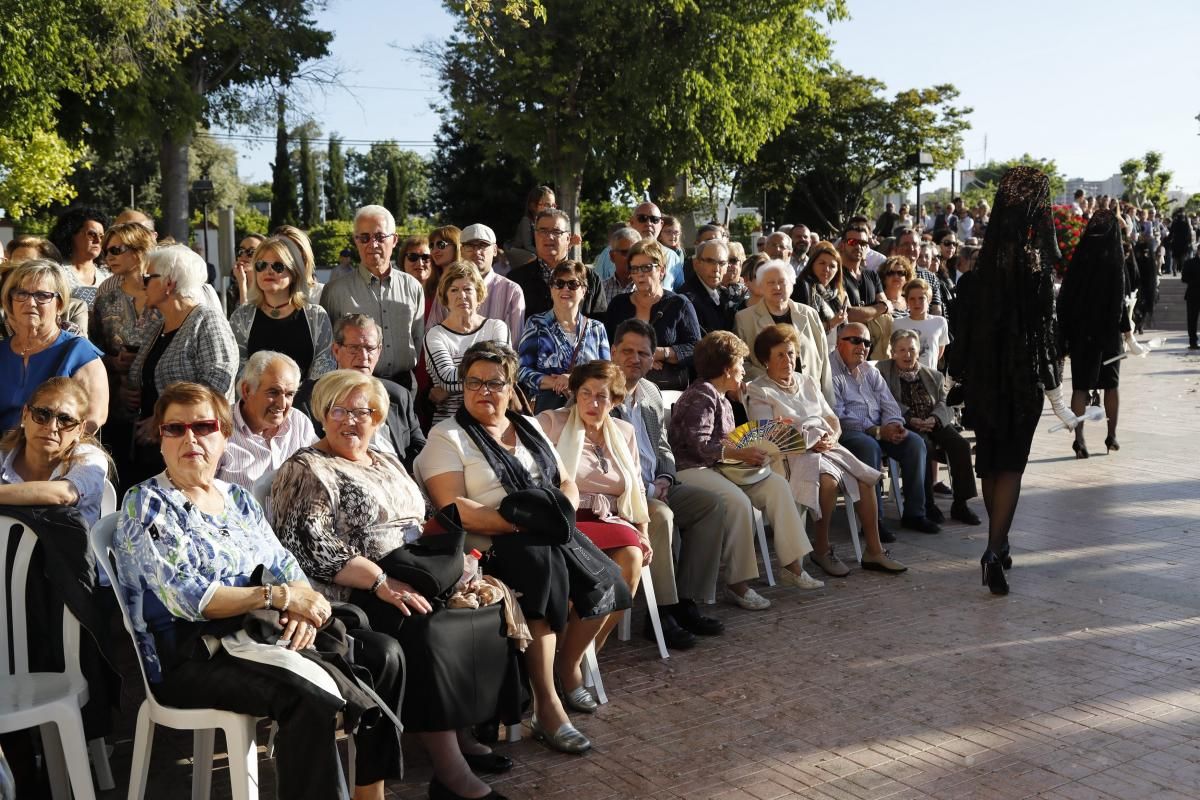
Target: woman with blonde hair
(279, 316)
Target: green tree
(821, 167)
(284, 207)
(1146, 181)
(648, 88)
(310, 198)
(329, 239)
(337, 199)
(469, 186)
(395, 192)
(367, 176)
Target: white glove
(1134, 347)
(1061, 409)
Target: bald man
(647, 220)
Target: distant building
(1113, 187)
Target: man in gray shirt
(389, 296)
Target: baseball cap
(477, 233)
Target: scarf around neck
(512, 474)
(631, 505)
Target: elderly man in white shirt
(265, 431)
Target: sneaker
(919, 524)
(801, 581)
(688, 615)
(751, 600)
(882, 563)
(829, 563)
(963, 513)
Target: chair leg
(591, 674)
(513, 733)
(852, 522)
(761, 531)
(351, 758)
(271, 739)
(98, 750)
(202, 758)
(625, 626)
(74, 750)
(652, 610)
(343, 792)
(56, 764)
(894, 473)
(243, 760)
(143, 742)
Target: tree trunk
(568, 186)
(173, 163)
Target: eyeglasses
(949, 244)
(573, 285)
(278, 267)
(552, 233)
(149, 277)
(39, 298)
(708, 260)
(361, 349)
(341, 413)
(42, 416)
(117, 250)
(638, 269)
(857, 340)
(586, 396)
(477, 385)
(476, 245)
(857, 243)
(367, 238)
(651, 218)
(413, 258)
(892, 274)
(244, 252)
(441, 244)
(201, 428)
(733, 262)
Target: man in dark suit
(1191, 296)
(552, 240)
(715, 305)
(356, 345)
(699, 514)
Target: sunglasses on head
(277, 267)
(650, 218)
(201, 427)
(413, 258)
(573, 285)
(857, 340)
(42, 416)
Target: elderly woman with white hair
(192, 342)
(775, 281)
(278, 315)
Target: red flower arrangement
(1068, 227)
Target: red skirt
(606, 534)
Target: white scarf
(631, 505)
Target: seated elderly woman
(814, 475)
(700, 421)
(490, 462)
(775, 283)
(601, 456)
(34, 299)
(189, 549)
(192, 342)
(921, 394)
(342, 508)
(671, 315)
(556, 341)
(49, 460)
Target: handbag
(597, 586)
(433, 564)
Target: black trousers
(958, 455)
(1193, 311)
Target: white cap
(477, 233)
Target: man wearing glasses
(552, 241)
(619, 242)
(504, 300)
(864, 290)
(647, 220)
(873, 425)
(356, 346)
(908, 244)
(714, 303)
(391, 297)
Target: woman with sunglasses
(895, 273)
(50, 460)
(192, 342)
(308, 262)
(78, 235)
(187, 549)
(556, 341)
(35, 296)
(243, 271)
(444, 250)
(416, 260)
(732, 277)
(672, 315)
(279, 316)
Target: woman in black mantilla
(1006, 353)
(1092, 319)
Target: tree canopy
(1146, 182)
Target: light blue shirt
(86, 472)
(861, 399)
(648, 457)
(605, 269)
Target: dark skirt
(1088, 370)
(1006, 450)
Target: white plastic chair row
(623, 628)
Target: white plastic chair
(239, 728)
(262, 493)
(623, 628)
(591, 674)
(760, 530)
(108, 500)
(894, 477)
(49, 700)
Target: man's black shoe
(885, 534)
(934, 514)
(919, 524)
(675, 637)
(688, 615)
(963, 513)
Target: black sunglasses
(857, 340)
(278, 267)
(117, 249)
(245, 251)
(413, 258)
(652, 219)
(572, 285)
(149, 277)
(42, 416)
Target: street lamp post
(917, 161)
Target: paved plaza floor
(1079, 684)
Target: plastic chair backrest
(262, 493)
(101, 536)
(19, 539)
(109, 500)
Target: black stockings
(1112, 407)
(1001, 491)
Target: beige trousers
(774, 498)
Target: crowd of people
(315, 460)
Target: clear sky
(1070, 81)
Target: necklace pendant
(275, 313)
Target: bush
(596, 220)
(250, 220)
(329, 239)
(740, 228)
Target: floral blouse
(172, 557)
(546, 350)
(700, 419)
(329, 510)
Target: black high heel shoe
(439, 791)
(1080, 449)
(993, 573)
(1005, 558)
(1112, 444)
